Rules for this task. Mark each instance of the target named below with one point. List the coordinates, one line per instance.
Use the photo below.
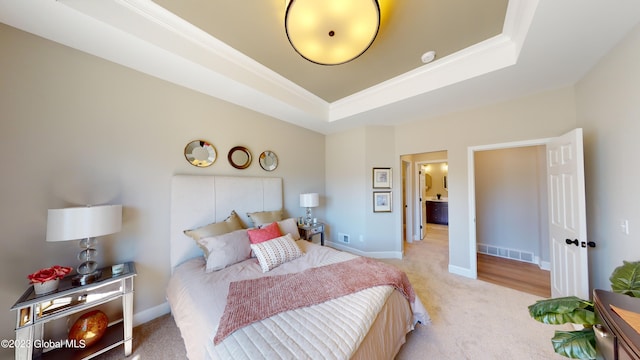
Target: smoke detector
(428, 56)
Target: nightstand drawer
(315, 230)
(73, 302)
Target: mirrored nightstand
(36, 311)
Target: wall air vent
(343, 238)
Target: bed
(370, 323)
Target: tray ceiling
(487, 51)
(409, 28)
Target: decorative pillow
(289, 226)
(265, 217)
(275, 252)
(226, 249)
(234, 221)
(228, 225)
(268, 232)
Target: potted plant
(581, 344)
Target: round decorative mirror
(200, 153)
(268, 160)
(239, 157)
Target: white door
(567, 216)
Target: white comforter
(332, 330)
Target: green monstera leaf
(563, 310)
(575, 344)
(625, 279)
(581, 344)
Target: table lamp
(84, 224)
(309, 201)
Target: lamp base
(307, 220)
(84, 279)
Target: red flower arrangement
(46, 274)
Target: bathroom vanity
(437, 211)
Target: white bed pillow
(275, 252)
(226, 249)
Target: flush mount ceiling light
(331, 32)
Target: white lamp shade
(309, 200)
(83, 222)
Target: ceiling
(487, 51)
(409, 28)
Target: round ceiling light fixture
(428, 56)
(331, 32)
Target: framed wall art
(382, 201)
(382, 178)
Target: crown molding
(490, 55)
(142, 35)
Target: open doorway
(424, 178)
(511, 227)
(434, 192)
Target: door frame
(408, 203)
(473, 260)
(418, 201)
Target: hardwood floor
(509, 273)
(514, 274)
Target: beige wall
(609, 112)
(511, 200)
(344, 185)
(79, 130)
(353, 155)
(381, 235)
(534, 117)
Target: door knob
(569, 242)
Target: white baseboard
(374, 255)
(544, 265)
(463, 272)
(150, 314)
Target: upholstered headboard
(201, 200)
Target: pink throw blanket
(252, 300)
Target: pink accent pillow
(268, 232)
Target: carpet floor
(470, 319)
